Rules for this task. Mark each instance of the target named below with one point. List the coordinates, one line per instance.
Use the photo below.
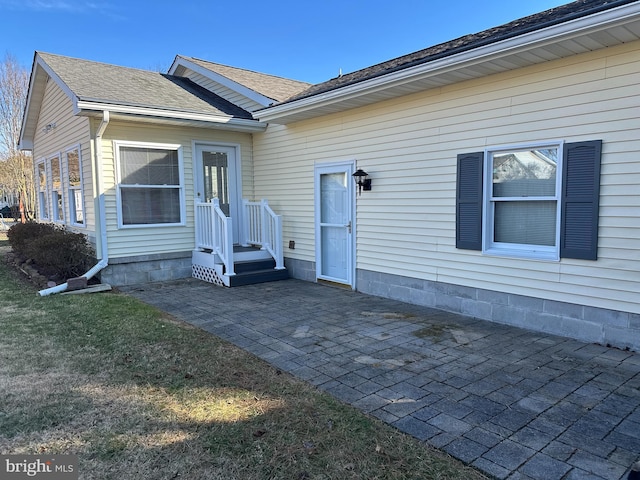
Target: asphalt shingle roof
(99, 82)
(276, 88)
(112, 84)
(554, 16)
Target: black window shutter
(469, 201)
(580, 200)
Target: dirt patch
(434, 332)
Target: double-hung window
(530, 201)
(76, 194)
(57, 196)
(522, 197)
(41, 170)
(150, 185)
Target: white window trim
(71, 190)
(54, 205)
(511, 250)
(43, 213)
(181, 187)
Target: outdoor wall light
(364, 183)
(47, 128)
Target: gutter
(104, 256)
(624, 11)
(89, 106)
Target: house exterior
(115, 151)
(503, 167)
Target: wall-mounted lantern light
(364, 183)
(47, 128)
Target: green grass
(136, 394)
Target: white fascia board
(537, 38)
(175, 65)
(89, 108)
(39, 69)
(222, 80)
(25, 145)
(63, 86)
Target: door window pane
(333, 207)
(334, 259)
(215, 173)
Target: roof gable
(94, 87)
(261, 88)
(114, 85)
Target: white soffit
(221, 79)
(601, 30)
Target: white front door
(218, 176)
(334, 212)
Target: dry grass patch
(136, 394)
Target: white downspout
(102, 217)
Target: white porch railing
(264, 228)
(261, 227)
(214, 232)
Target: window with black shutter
(469, 201)
(536, 201)
(580, 200)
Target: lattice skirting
(206, 274)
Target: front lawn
(138, 395)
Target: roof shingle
(270, 86)
(111, 84)
(554, 16)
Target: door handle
(348, 225)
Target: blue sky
(309, 41)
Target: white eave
(220, 79)
(173, 117)
(41, 72)
(593, 32)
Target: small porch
(257, 255)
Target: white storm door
(218, 176)
(334, 222)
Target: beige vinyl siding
(134, 241)
(406, 224)
(70, 131)
(226, 93)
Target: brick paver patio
(515, 404)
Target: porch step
(248, 273)
(241, 253)
(248, 266)
(251, 267)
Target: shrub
(54, 250)
(21, 235)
